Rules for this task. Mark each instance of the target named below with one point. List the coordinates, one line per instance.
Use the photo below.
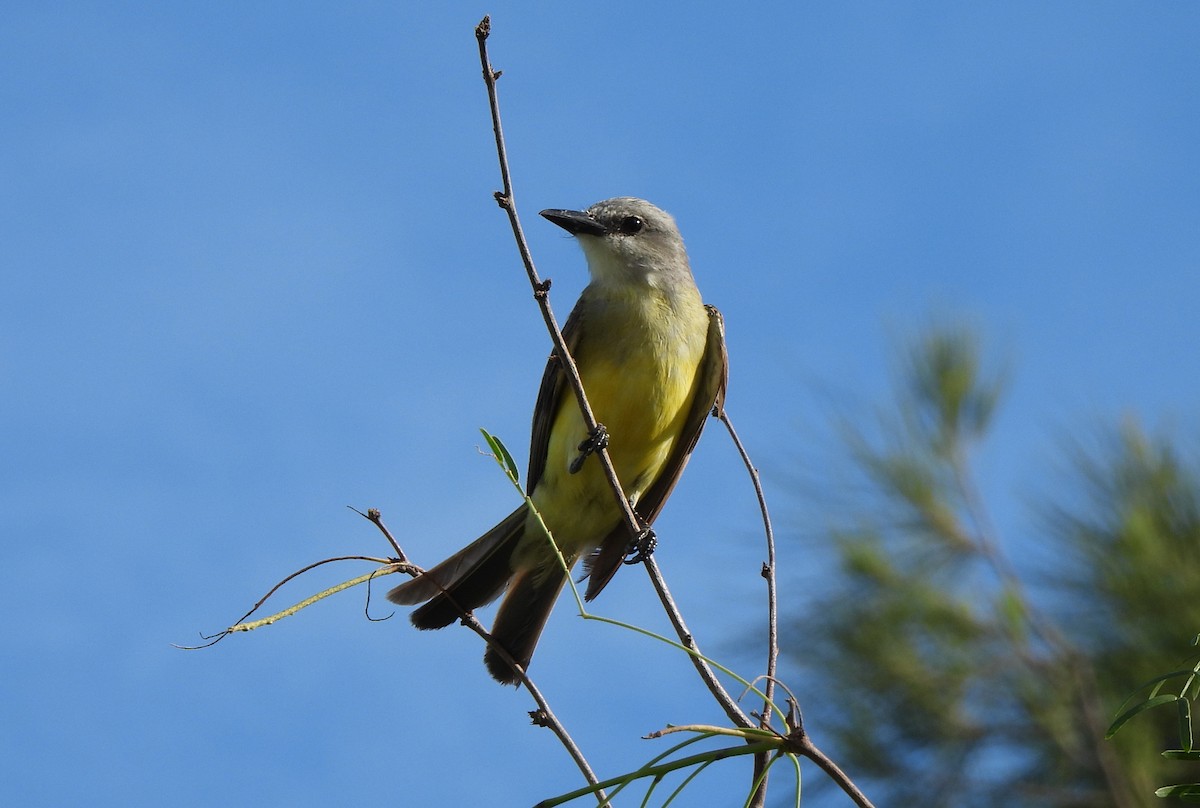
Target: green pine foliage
(958, 677)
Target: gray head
(627, 240)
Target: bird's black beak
(575, 222)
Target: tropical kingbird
(652, 360)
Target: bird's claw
(641, 547)
(595, 442)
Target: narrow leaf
(501, 453)
(1188, 792)
(1137, 708)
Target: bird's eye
(631, 224)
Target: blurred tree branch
(974, 679)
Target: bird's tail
(521, 618)
(473, 576)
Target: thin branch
(543, 716)
(304, 604)
(768, 571)
(727, 702)
(809, 750)
(216, 638)
(798, 742)
(762, 761)
(372, 515)
(505, 199)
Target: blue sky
(253, 273)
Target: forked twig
(216, 638)
(800, 743)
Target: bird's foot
(642, 546)
(595, 442)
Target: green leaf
(1179, 754)
(501, 454)
(1013, 611)
(1157, 682)
(1137, 708)
(1188, 792)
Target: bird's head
(627, 241)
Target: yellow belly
(639, 361)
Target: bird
(652, 359)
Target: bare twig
(728, 704)
(762, 760)
(799, 743)
(372, 515)
(506, 201)
(216, 638)
(541, 288)
(543, 716)
(808, 749)
(768, 571)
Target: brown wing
(554, 385)
(710, 395)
